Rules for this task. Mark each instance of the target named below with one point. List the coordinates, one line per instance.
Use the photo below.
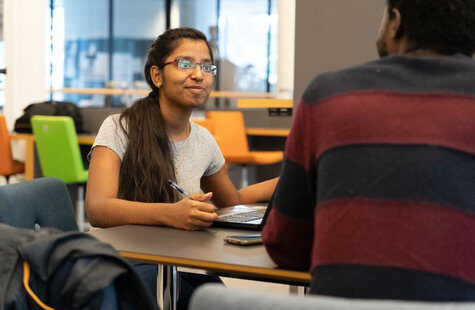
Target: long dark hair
(148, 160)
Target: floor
(13, 179)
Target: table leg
(30, 159)
(160, 286)
(175, 286)
(168, 287)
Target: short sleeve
(111, 136)
(216, 158)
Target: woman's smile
(196, 89)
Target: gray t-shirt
(197, 156)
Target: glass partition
(103, 43)
(80, 48)
(243, 29)
(136, 24)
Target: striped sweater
(377, 192)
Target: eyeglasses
(186, 65)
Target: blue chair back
(43, 202)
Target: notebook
(247, 217)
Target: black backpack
(53, 108)
(66, 270)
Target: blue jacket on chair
(69, 270)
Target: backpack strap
(26, 279)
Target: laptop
(247, 217)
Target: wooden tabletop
(269, 132)
(197, 249)
(86, 139)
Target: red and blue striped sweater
(377, 191)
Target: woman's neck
(177, 121)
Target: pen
(178, 189)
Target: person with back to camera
(153, 141)
(378, 180)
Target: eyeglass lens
(187, 64)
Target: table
(265, 103)
(269, 132)
(30, 150)
(203, 250)
(198, 250)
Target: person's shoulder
(200, 130)
(395, 73)
(112, 119)
(110, 126)
(329, 84)
(202, 135)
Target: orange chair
(8, 166)
(230, 132)
(206, 123)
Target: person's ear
(396, 30)
(156, 75)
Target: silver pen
(178, 189)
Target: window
(244, 44)
(137, 23)
(104, 43)
(80, 48)
(201, 14)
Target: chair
(59, 154)
(217, 297)
(43, 202)
(8, 166)
(46, 203)
(206, 123)
(230, 131)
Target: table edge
(279, 274)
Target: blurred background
(103, 44)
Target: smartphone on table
(244, 239)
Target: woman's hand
(193, 214)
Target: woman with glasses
(152, 143)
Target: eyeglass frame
(193, 65)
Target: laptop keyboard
(243, 217)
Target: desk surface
(82, 138)
(197, 249)
(271, 132)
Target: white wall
(333, 34)
(286, 52)
(25, 55)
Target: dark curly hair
(444, 26)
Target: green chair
(59, 154)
